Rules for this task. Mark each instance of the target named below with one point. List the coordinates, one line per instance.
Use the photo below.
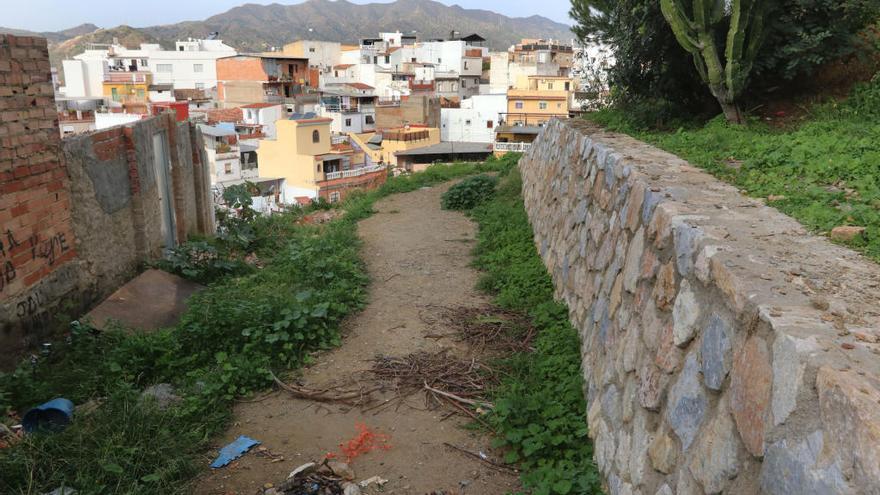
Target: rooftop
(518, 129)
(261, 105)
(448, 148)
(214, 131)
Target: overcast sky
(54, 15)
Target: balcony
(344, 174)
(515, 147)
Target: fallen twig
(324, 395)
(494, 465)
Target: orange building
(264, 78)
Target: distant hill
(253, 27)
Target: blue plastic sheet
(233, 451)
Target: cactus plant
(695, 31)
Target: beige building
(381, 147)
(314, 163)
(539, 99)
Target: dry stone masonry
(725, 349)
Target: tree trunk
(732, 112)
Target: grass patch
(248, 322)
(824, 172)
(540, 410)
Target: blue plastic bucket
(54, 415)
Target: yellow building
(536, 99)
(382, 146)
(127, 89)
(312, 163)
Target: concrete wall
(78, 217)
(724, 348)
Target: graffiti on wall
(48, 250)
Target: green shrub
(469, 193)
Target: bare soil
(418, 259)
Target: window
(316, 136)
(198, 68)
(387, 59)
(550, 85)
(465, 65)
(518, 105)
(413, 60)
(347, 122)
(369, 119)
(180, 48)
(335, 197)
(542, 105)
(312, 50)
(567, 86)
(490, 124)
(164, 67)
(464, 83)
(467, 122)
(559, 105)
(228, 168)
(143, 62)
(114, 93)
(335, 73)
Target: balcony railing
(517, 147)
(344, 174)
(127, 77)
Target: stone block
(715, 352)
(687, 403)
(750, 386)
(685, 315)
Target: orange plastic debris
(365, 441)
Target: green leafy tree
(652, 79)
(694, 28)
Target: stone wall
(79, 217)
(725, 349)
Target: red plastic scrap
(365, 441)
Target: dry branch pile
(491, 328)
(443, 378)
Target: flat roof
(448, 148)
(215, 131)
(519, 129)
(261, 105)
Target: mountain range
(255, 28)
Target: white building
(475, 121)
(223, 154)
(263, 115)
(352, 106)
(191, 65)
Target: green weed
(247, 322)
(540, 411)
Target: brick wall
(36, 235)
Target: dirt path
(417, 256)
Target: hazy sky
(54, 15)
